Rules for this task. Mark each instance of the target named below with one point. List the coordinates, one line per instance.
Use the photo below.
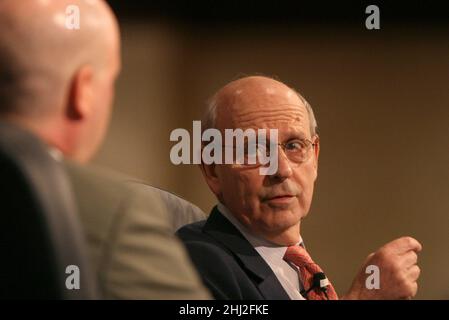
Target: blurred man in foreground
(58, 83)
(253, 235)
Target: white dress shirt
(273, 254)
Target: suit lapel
(224, 231)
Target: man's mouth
(284, 198)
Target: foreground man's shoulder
(134, 250)
(107, 187)
(179, 211)
(95, 175)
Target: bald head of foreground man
(256, 227)
(58, 83)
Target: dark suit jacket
(229, 266)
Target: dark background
(202, 12)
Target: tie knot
(308, 270)
(298, 256)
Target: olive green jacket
(129, 228)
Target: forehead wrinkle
(269, 112)
(263, 100)
(269, 116)
(266, 120)
(286, 129)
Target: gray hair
(210, 114)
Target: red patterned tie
(298, 256)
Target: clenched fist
(399, 272)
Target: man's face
(268, 205)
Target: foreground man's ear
(81, 94)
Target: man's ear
(210, 175)
(81, 93)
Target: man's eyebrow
(291, 135)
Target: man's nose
(284, 170)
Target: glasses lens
(297, 150)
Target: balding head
(44, 64)
(256, 92)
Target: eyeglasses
(297, 151)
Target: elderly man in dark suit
(250, 247)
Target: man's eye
(294, 145)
